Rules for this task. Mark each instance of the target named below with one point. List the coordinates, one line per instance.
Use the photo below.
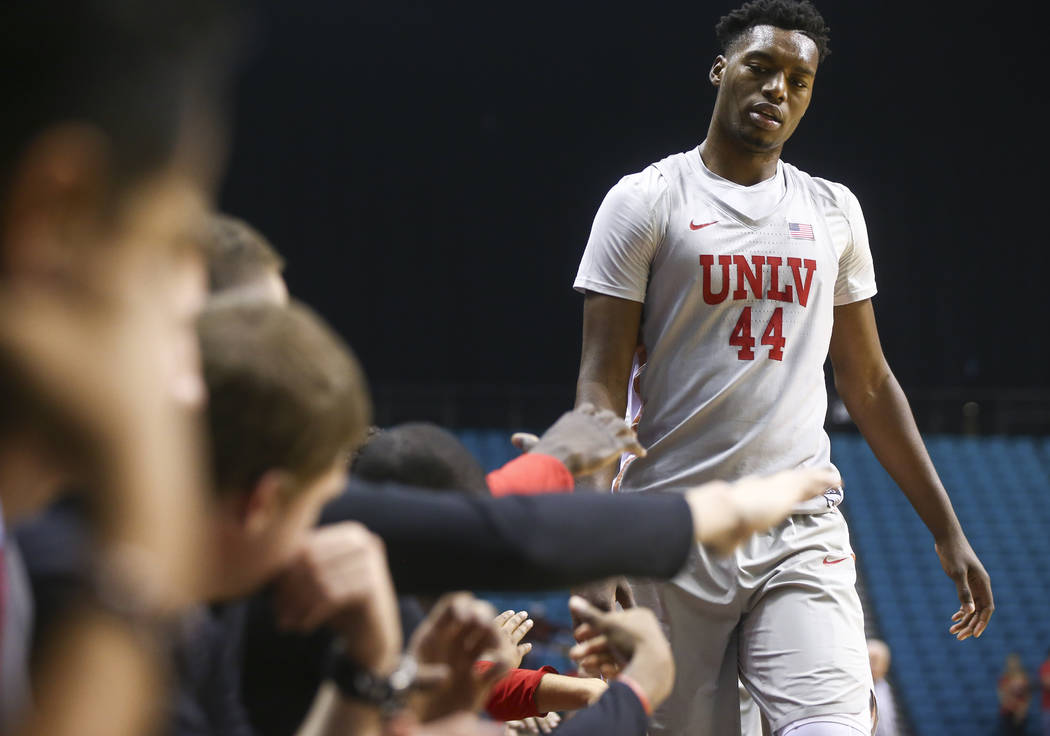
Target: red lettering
(773, 335)
(802, 288)
(774, 281)
(706, 264)
(741, 336)
(754, 278)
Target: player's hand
(455, 634)
(512, 628)
(631, 640)
(973, 584)
(726, 514)
(605, 594)
(584, 440)
(340, 577)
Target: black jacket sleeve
(449, 541)
(617, 713)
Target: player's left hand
(960, 563)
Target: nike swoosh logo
(693, 226)
(829, 561)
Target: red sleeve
(513, 697)
(530, 475)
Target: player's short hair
(420, 454)
(791, 15)
(238, 255)
(284, 392)
(133, 70)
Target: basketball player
(727, 275)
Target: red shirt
(530, 475)
(1015, 693)
(513, 697)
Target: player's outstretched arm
(726, 514)
(880, 410)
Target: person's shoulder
(824, 191)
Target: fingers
(515, 626)
(524, 441)
(524, 649)
(431, 676)
(589, 648)
(977, 604)
(983, 599)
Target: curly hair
(791, 15)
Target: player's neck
(735, 163)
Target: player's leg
(705, 700)
(750, 716)
(803, 651)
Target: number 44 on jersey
(753, 275)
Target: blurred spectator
(1015, 695)
(1044, 686)
(106, 159)
(242, 264)
(879, 657)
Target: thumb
(524, 441)
(624, 595)
(584, 611)
(965, 596)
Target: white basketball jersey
(736, 322)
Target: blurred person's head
(879, 657)
(115, 129)
(242, 264)
(110, 146)
(1013, 664)
(420, 454)
(287, 403)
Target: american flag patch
(800, 231)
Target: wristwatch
(358, 683)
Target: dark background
(431, 170)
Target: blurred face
(266, 539)
(764, 86)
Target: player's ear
(717, 69)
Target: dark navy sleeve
(617, 713)
(448, 541)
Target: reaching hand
(631, 640)
(455, 634)
(584, 440)
(726, 514)
(973, 584)
(340, 577)
(512, 628)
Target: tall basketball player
(717, 281)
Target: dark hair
(237, 254)
(791, 15)
(420, 454)
(284, 392)
(134, 70)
